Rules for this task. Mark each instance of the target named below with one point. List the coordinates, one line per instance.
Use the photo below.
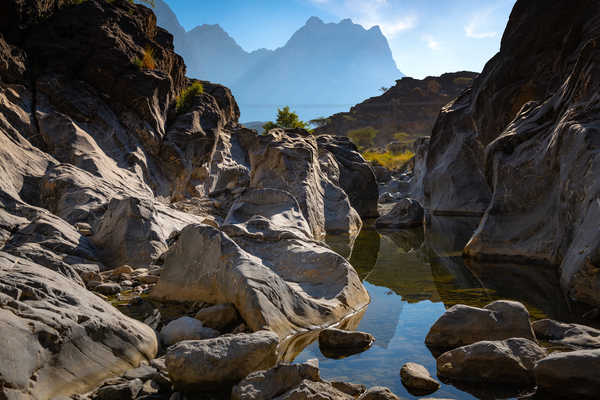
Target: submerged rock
(214, 363)
(462, 325)
(503, 362)
(338, 343)
(417, 379)
(574, 335)
(570, 375)
(407, 213)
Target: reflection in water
(413, 276)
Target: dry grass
(388, 159)
(147, 61)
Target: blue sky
(427, 37)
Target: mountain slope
(321, 70)
(410, 106)
(325, 65)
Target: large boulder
(50, 329)
(510, 361)
(356, 175)
(292, 285)
(570, 375)
(462, 325)
(407, 213)
(214, 363)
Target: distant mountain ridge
(322, 69)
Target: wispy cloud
(370, 13)
(478, 25)
(431, 42)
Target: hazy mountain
(321, 70)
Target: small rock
(573, 335)
(147, 278)
(417, 379)
(241, 328)
(463, 325)
(122, 391)
(108, 289)
(123, 269)
(212, 363)
(84, 229)
(509, 361)
(353, 389)
(337, 342)
(185, 328)
(570, 375)
(127, 283)
(378, 393)
(309, 390)
(90, 276)
(211, 221)
(407, 213)
(268, 384)
(139, 271)
(150, 387)
(91, 285)
(219, 316)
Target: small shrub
(184, 100)
(147, 60)
(388, 159)
(363, 137)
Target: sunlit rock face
(520, 147)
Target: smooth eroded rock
(570, 375)
(417, 379)
(378, 393)
(574, 335)
(219, 316)
(185, 328)
(52, 327)
(337, 342)
(407, 213)
(510, 361)
(212, 363)
(462, 325)
(268, 384)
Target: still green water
(413, 276)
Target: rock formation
(520, 147)
(101, 175)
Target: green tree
(285, 119)
(363, 137)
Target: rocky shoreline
(210, 237)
